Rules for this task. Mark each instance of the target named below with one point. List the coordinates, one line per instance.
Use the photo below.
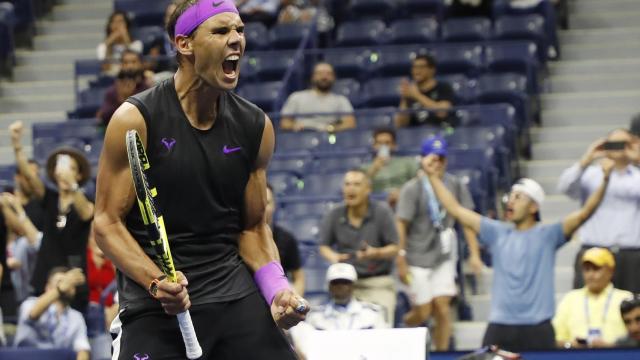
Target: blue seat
(93, 150)
(370, 120)
(89, 101)
(476, 183)
(360, 33)
(143, 12)
(315, 269)
(85, 132)
(289, 142)
(514, 56)
(7, 45)
(349, 88)
(323, 185)
(357, 142)
(248, 70)
(413, 31)
(410, 139)
(36, 354)
(292, 164)
(254, 34)
(462, 87)
(478, 159)
(424, 8)
(288, 36)
(381, 92)
(337, 162)
(349, 62)
(395, 61)
(304, 228)
(264, 95)
(458, 58)
(466, 29)
(506, 88)
(148, 35)
(43, 146)
(371, 8)
(283, 182)
(488, 115)
(304, 207)
(523, 27)
(273, 66)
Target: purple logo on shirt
(228, 150)
(168, 143)
(141, 357)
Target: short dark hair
(56, 270)
(629, 305)
(431, 61)
(634, 126)
(127, 22)
(181, 7)
(385, 130)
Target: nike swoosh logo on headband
(216, 4)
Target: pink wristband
(271, 279)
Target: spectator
(428, 245)
(317, 100)
(388, 172)
(117, 39)
(425, 101)
(630, 311)
(615, 224)
(164, 48)
(24, 193)
(265, 11)
(634, 129)
(67, 211)
(287, 247)
(589, 317)
(362, 232)
(47, 321)
(22, 251)
(523, 254)
(130, 81)
(100, 274)
(304, 11)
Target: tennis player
(208, 149)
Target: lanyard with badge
(596, 333)
(437, 216)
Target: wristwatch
(153, 286)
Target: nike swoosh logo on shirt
(228, 150)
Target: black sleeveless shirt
(201, 177)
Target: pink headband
(200, 12)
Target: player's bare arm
(256, 245)
(114, 198)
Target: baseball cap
(434, 145)
(599, 257)
(531, 188)
(342, 271)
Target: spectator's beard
(65, 299)
(323, 86)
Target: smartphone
(384, 151)
(581, 341)
(63, 162)
(614, 145)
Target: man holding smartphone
(615, 224)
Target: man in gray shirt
(362, 232)
(428, 246)
(318, 100)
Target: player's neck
(427, 84)
(199, 101)
(526, 224)
(621, 165)
(359, 211)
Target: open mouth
(230, 65)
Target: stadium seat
(322, 185)
(273, 65)
(478, 159)
(395, 61)
(466, 29)
(309, 141)
(248, 70)
(425, 8)
(283, 182)
(143, 12)
(477, 186)
(514, 56)
(337, 162)
(288, 36)
(349, 88)
(370, 120)
(523, 27)
(148, 35)
(315, 269)
(304, 228)
(380, 92)
(264, 95)
(36, 354)
(7, 45)
(489, 115)
(458, 58)
(89, 101)
(413, 31)
(355, 141)
(371, 8)
(462, 87)
(293, 164)
(349, 62)
(61, 130)
(410, 139)
(305, 207)
(360, 33)
(254, 33)
(506, 88)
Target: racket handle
(191, 343)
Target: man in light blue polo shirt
(523, 253)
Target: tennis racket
(139, 164)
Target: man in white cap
(343, 311)
(523, 253)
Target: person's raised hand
(288, 309)
(15, 131)
(607, 166)
(173, 296)
(430, 165)
(594, 151)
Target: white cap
(530, 188)
(342, 271)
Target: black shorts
(238, 330)
(521, 337)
